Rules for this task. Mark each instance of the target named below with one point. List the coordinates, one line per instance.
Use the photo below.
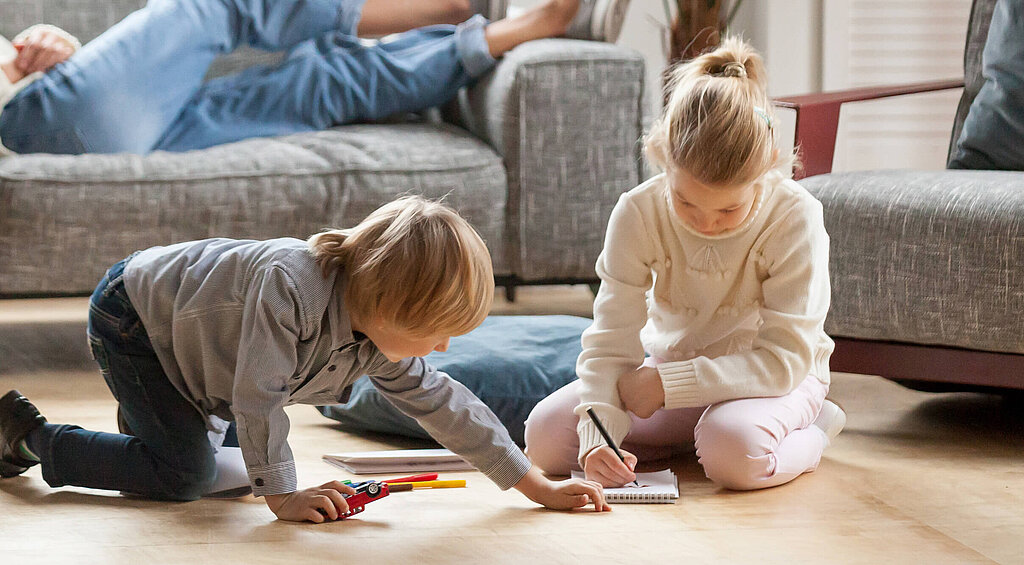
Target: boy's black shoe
(18, 417)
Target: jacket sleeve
(611, 345)
(267, 358)
(791, 342)
(453, 416)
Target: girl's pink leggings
(743, 444)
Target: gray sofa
(927, 266)
(534, 155)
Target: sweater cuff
(679, 378)
(278, 478)
(617, 424)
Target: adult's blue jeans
(169, 455)
(139, 86)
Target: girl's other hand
(306, 505)
(601, 465)
(41, 50)
(642, 392)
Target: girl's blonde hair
(414, 264)
(718, 122)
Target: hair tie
(734, 69)
(764, 115)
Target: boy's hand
(642, 392)
(602, 466)
(561, 495)
(41, 50)
(305, 505)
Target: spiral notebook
(655, 488)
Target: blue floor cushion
(509, 362)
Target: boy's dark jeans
(170, 456)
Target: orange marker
(455, 483)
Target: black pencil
(607, 438)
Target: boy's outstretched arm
(561, 495)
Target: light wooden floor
(915, 478)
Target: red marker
(414, 478)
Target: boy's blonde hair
(413, 264)
(718, 122)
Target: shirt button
(259, 482)
(332, 367)
(668, 263)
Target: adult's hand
(12, 72)
(41, 49)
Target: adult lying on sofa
(64, 216)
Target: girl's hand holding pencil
(602, 466)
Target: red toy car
(365, 493)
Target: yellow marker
(453, 483)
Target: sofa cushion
(926, 257)
(993, 132)
(510, 362)
(105, 206)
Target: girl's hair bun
(732, 69)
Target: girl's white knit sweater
(736, 315)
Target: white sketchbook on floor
(655, 488)
(398, 461)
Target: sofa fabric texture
(534, 155)
(927, 257)
(295, 185)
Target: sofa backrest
(86, 19)
(977, 34)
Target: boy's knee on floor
(191, 484)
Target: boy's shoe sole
(18, 417)
(8, 470)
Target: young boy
(193, 335)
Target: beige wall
(811, 45)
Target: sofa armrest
(817, 118)
(567, 117)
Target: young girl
(718, 269)
(193, 335)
